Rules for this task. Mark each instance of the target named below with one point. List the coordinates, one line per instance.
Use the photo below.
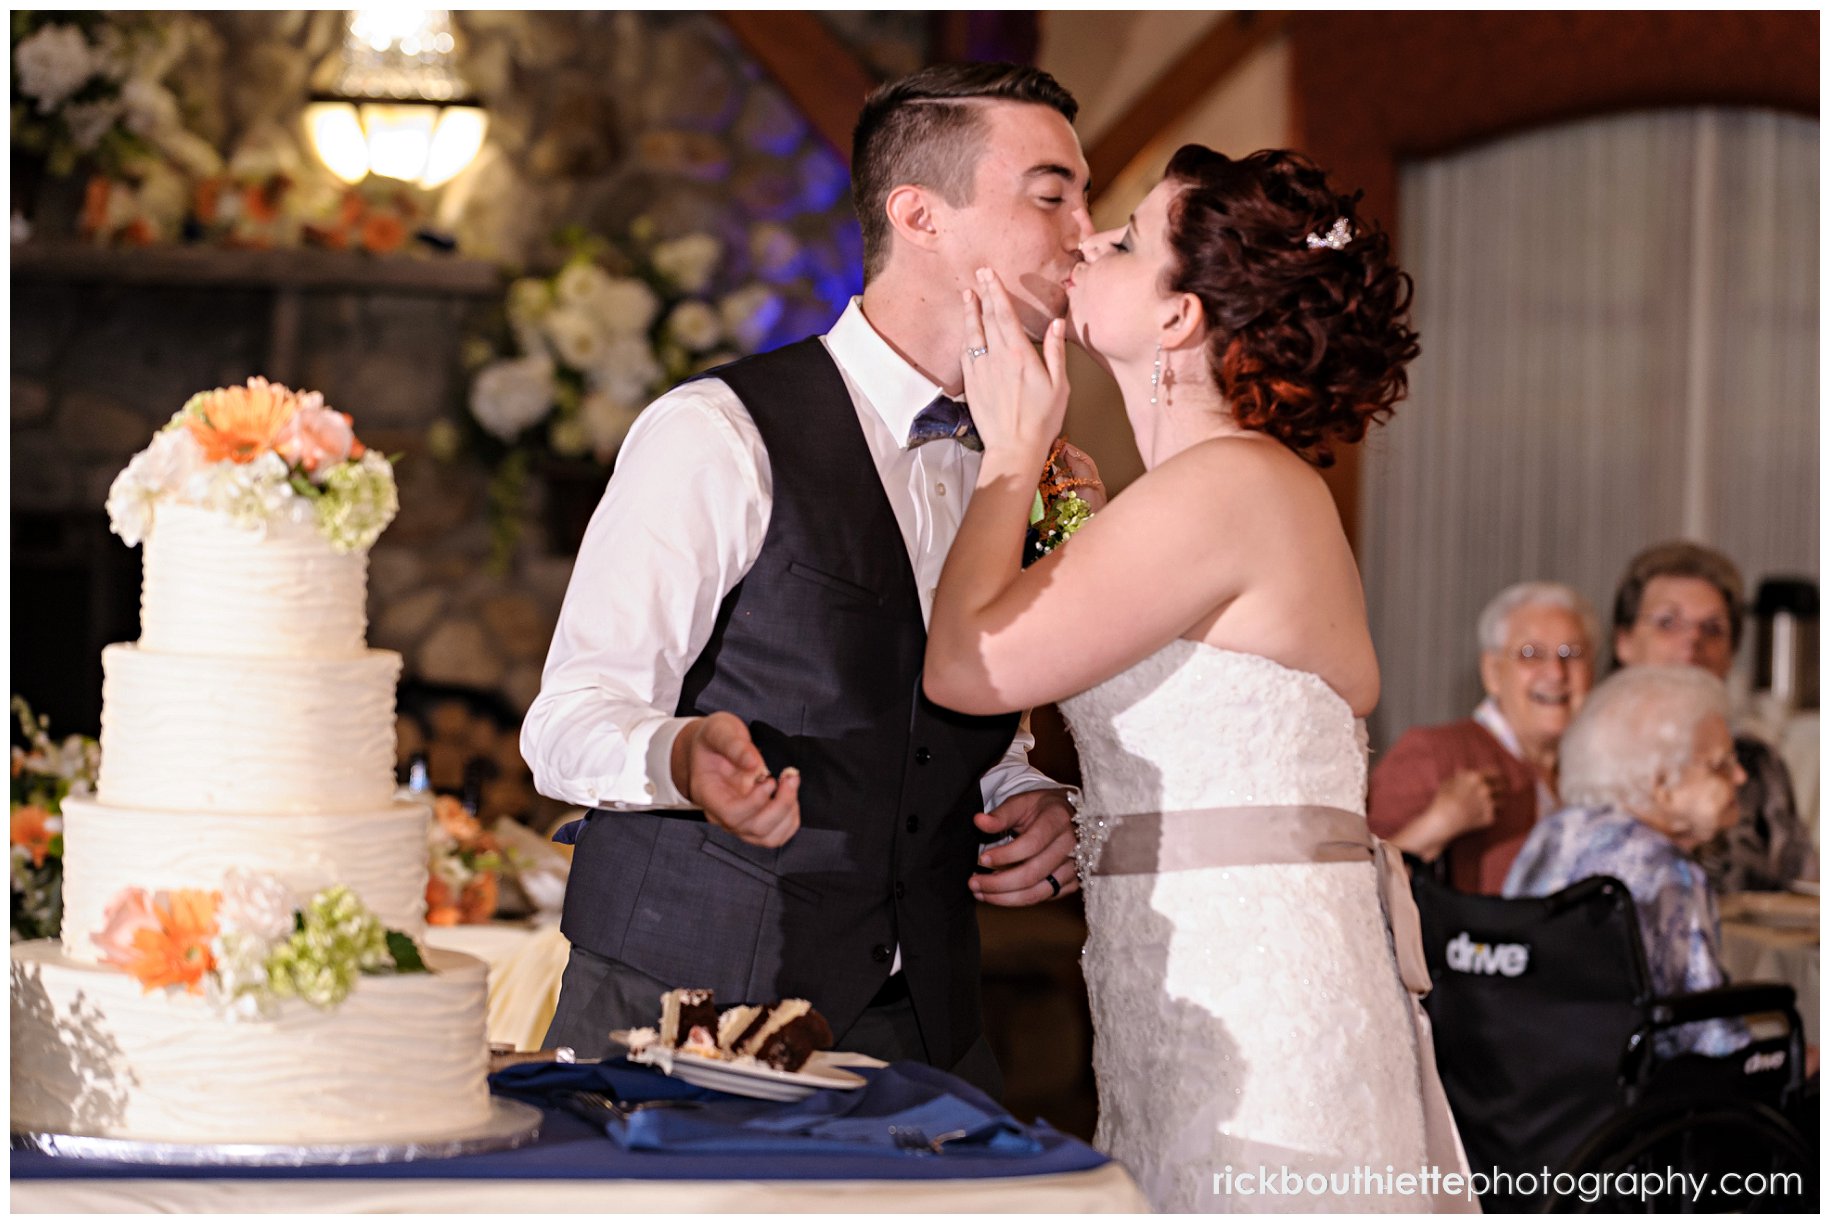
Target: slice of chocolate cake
(733, 1023)
(684, 1010)
(784, 1035)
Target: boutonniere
(1058, 511)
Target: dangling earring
(1156, 374)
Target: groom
(734, 682)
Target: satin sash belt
(1151, 842)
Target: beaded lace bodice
(1243, 1015)
(1196, 726)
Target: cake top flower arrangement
(260, 453)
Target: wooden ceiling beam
(807, 61)
(1193, 76)
(961, 35)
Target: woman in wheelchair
(1649, 774)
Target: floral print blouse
(1671, 895)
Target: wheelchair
(1546, 1032)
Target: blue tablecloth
(754, 1146)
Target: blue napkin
(542, 1083)
(903, 1098)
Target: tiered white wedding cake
(207, 989)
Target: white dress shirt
(680, 525)
(1488, 715)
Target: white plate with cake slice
(746, 1076)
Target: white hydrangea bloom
(510, 395)
(252, 494)
(360, 500)
(689, 262)
(628, 370)
(577, 336)
(695, 326)
(162, 470)
(53, 64)
(627, 307)
(239, 988)
(257, 905)
(581, 283)
(150, 107)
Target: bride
(1258, 1043)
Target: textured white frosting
(212, 588)
(195, 733)
(379, 854)
(402, 1057)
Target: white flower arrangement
(688, 263)
(583, 351)
(260, 454)
(89, 84)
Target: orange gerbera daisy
(31, 829)
(240, 423)
(177, 951)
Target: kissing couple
(788, 676)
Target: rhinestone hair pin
(1337, 237)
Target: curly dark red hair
(1307, 343)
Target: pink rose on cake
(128, 914)
(318, 437)
(161, 941)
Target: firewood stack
(461, 745)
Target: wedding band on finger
(976, 353)
(1054, 886)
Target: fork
(914, 1139)
(592, 1106)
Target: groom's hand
(1041, 826)
(717, 767)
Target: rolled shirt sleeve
(1014, 775)
(680, 524)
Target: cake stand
(511, 1124)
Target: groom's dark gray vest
(819, 651)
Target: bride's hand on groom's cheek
(1041, 825)
(1018, 397)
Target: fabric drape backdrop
(1619, 345)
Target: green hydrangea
(336, 939)
(1068, 514)
(357, 502)
(1071, 514)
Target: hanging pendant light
(400, 109)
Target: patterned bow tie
(944, 418)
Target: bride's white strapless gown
(1243, 1016)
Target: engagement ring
(976, 353)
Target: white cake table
(526, 960)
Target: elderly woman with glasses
(1466, 794)
(1681, 603)
(1649, 771)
